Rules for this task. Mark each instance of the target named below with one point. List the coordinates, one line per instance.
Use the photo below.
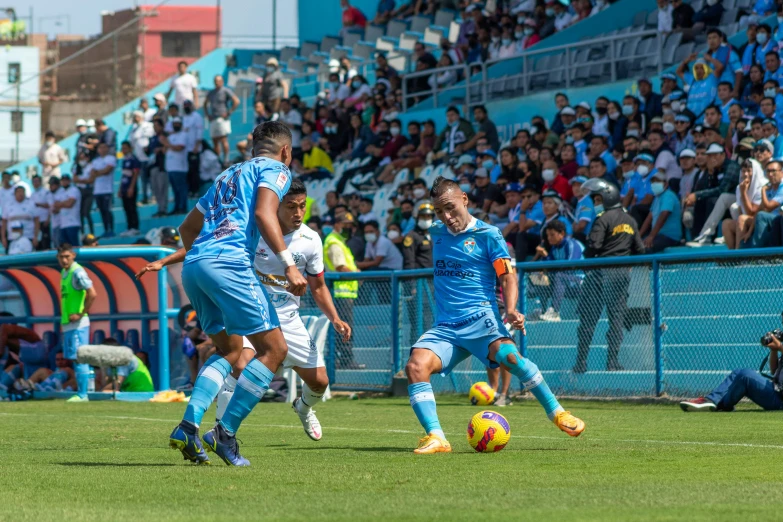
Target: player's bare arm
(267, 204)
(323, 298)
(156, 266)
(191, 227)
(509, 283)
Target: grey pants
(723, 204)
(159, 182)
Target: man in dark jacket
(614, 234)
(682, 15)
(652, 103)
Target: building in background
(20, 109)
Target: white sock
(554, 413)
(309, 398)
(224, 396)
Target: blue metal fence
(685, 321)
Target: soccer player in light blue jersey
(468, 255)
(220, 236)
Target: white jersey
(307, 250)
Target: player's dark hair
(65, 247)
(297, 188)
(406, 202)
(441, 186)
(111, 341)
(366, 200)
(556, 226)
(598, 160)
(372, 223)
(418, 181)
(269, 137)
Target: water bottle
(91, 381)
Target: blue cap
(577, 179)
(682, 117)
(513, 187)
(669, 76)
(552, 194)
(488, 152)
(771, 121)
(645, 157)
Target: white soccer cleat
(551, 316)
(309, 421)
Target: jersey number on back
(226, 189)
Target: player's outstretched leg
(531, 378)
(251, 386)
(421, 365)
(227, 390)
(313, 389)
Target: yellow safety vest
(308, 209)
(342, 289)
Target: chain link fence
(669, 325)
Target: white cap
(687, 153)
(334, 65)
(567, 111)
(584, 105)
(91, 123)
(716, 149)
(81, 123)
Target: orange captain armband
(503, 266)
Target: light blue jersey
(229, 229)
(464, 277)
(585, 211)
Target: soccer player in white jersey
(469, 255)
(303, 356)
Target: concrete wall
(319, 18)
(29, 139)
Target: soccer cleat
(432, 444)
(76, 398)
(569, 424)
(551, 316)
(700, 404)
(502, 400)
(228, 450)
(189, 445)
(309, 421)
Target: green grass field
(111, 461)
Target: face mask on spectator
(83, 163)
(643, 170)
(628, 175)
(14, 235)
(667, 111)
(550, 11)
(668, 127)
(407, 214)
(760, 38)
(371, 238)
(495, 39)
(327, 229)
(633, 132)
(395, 131)
(627, 110)
(488, 164)
(518, 35)
(770, 93)
(529, 31)
(424, 224)
(393, 234)
(464, 187)
(614, 115)
(676, 106)
(506, 41)
(548, 175)
(569, 139)
(600, 110)
(599, 209)
(419, 193)
(657, 188)
(520, 20)
(356, 84)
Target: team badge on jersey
(469, 245)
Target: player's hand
(775, 344)
(74, 317)
(155, 266)
(342, 328)
(690, 200)
(516, 320)
(296, 282)
(648, 242)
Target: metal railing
(476, 85)
(684, 321)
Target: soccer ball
(481, 394)
(488, 432)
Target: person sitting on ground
(663, 221)
(62, 378)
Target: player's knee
(511, 359)
(744, 373)
(319, 384)
(415, 370)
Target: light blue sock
(251, 386)
(423, 404)
(531, 378)
(206, 388)
(8, 378)
(82, 372)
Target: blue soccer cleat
(228, 449)
(189, 444)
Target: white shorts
(302, 351)
(219, 128)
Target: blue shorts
(455, 342)
(227, 296)
(73, 339)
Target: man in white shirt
(18, 244)
(67, 208)
(184, 86)
(365, 211)
(102, 174)
(54, 188)
(43, 201)
(22, 210)
(193, 127)
(139, 137)
(176, 165)
(562, 17)
(379, 253)
(146, 110)
(51, 156)
(293, 119)
(665, 20)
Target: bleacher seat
(640, 18)
(444, 17)
(652, 19)
(288, 53)
(351, 37)
(729, 15)
(433, 35)
(98, 336)
(308, 48)
(419, 23)
(49, 339)
(132, 340)
(372, 33)
(329, 42)
(119, 336)
(395, 28)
